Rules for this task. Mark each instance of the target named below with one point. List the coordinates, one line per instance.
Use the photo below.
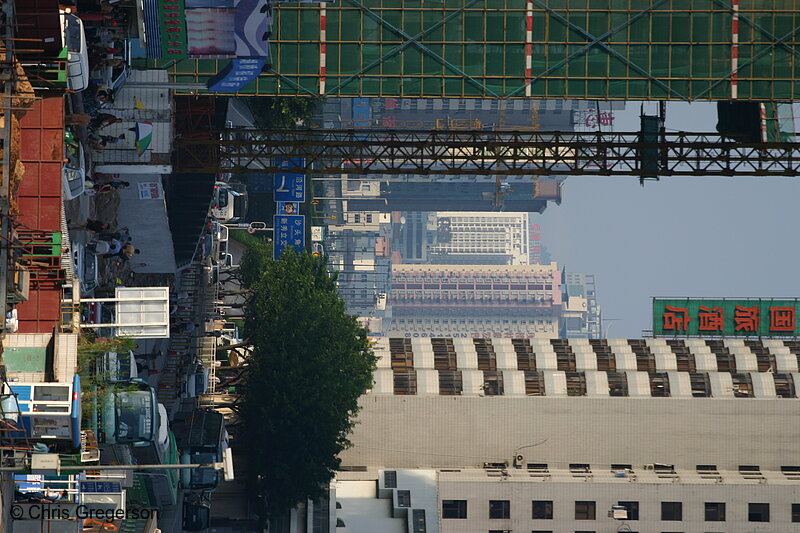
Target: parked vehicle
(162, 484)
(221, 234)
(196, 513)
(202, 440)
(196, 381)
(74, 170)
(229, 202)
(127, 413)
(74, 41)
(116, 367)
(86, 267)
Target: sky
(684, 237)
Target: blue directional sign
(289, 187)
(289, 230)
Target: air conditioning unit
(519, 460)
(650, 467)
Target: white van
(229, 202)
(77, 52)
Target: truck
(202, 440)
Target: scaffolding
(603, 49)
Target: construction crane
(647, 154)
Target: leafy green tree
(310, 363)
(282, 112)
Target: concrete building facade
(475, 300)
(699, 438)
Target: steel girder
(409, 152)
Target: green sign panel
(763, 317)
(172, 29)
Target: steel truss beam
(408, 152)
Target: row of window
(587, 510)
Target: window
(542, 509)
(584, 510)
(454, 508)
(671, 511)
(758, 512)
(404, 498)
(633, 509)
(715, 512)
(499, 509)
(796, 512)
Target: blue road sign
(289, 187)
(289, 230)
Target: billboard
(754, 317)
(207, 29)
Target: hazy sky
(724, 237)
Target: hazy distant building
(474, 300)
(358, 249)
(581, 312)
(473, 238)
(462, 193)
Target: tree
(311, 361)
(282, 112)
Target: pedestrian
(111, 186)
(95, 226)
(124, 252)
(102, 120)
(78, 119)
(186, 327)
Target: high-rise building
(581, 313)
(663, 435)
(358, 249)
(477, 435)
(471, 238)
(462, 193)
(475, 300)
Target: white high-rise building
(575, 435)
(480, 238)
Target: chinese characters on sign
(290, 230)
(150, 191)
(289, 187)
(757, 317)
(173, 26)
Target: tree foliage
(282, 112)
(310, 363)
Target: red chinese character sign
(730, 318)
